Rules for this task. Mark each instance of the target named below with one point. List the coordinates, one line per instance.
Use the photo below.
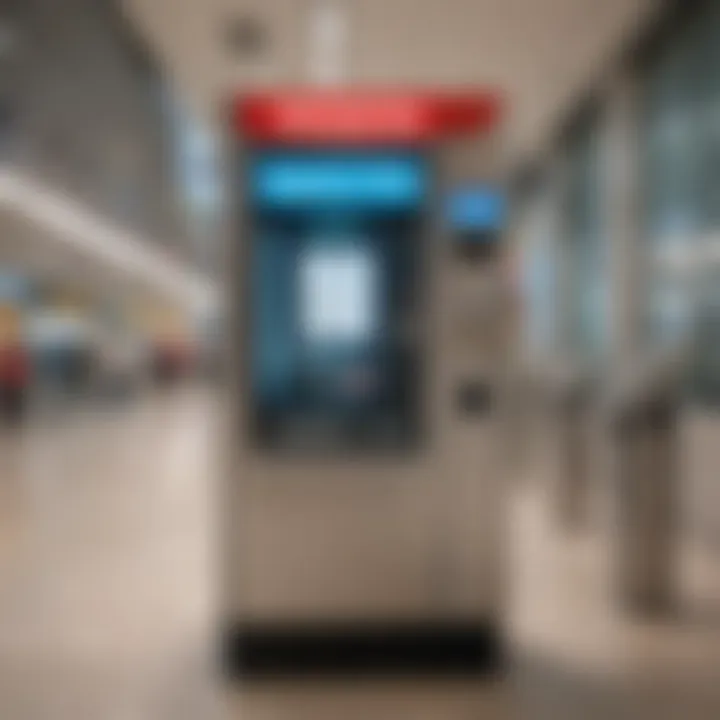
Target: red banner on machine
(363, 117)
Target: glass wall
(198, 177)
(538, 231)
(584, 248)
(681, 180)
(87, 116)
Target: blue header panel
(370, 181)
(480, 207)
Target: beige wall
(539, 51)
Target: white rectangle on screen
(338, 286)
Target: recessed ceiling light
(246, 37)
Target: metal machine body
(364, 484)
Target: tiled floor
(104, 599)
(106, 580)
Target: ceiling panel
(539, 52)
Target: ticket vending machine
(363, 495)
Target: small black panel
(474, 398)
(478, 246)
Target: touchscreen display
(335, 285)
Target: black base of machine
(253, 650)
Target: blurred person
(14, 381)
